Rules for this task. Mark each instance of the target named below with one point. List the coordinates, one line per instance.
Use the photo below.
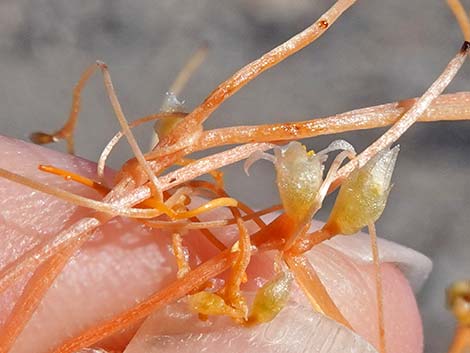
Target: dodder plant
(143, 190)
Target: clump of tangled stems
(146, 192)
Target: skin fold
(126, 262)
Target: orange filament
(307, 241)
(220, 192)
(66, 132)
(238, 274)
(211, 238)
(211, 205)
(67, 175)
(150, 203)
(104, 207)
(204, 225)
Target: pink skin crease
(126, 262)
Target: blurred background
(378, 52)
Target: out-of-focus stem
(461, 343)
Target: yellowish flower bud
(271, 299)
(363, 195)
(299, 177)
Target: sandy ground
(380, 51)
